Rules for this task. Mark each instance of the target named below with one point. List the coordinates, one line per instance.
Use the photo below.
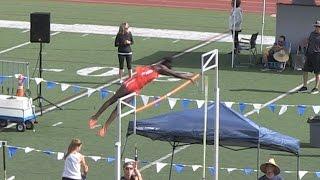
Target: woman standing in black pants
(124, 41)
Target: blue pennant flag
(185, 103)
(179, 168)
(272, 107)
(12, 151)
(104, 93)
(248, 171)
(2, 79)
(301, 109)
(144, 162)
(51, 85)
(158, 103)
(110, 159)
(212, 170)
(318, 174)
(76, 89)
(242, 107)
(47, 152)
(132, 101)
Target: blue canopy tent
(235, 130)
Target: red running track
(223, 5)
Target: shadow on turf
(193, 60)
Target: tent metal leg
(298, 166)
(258, 159)
(4, 144)
(171, 163)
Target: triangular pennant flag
(28, 149)
(257, 107)
(144, 162)
(110, 159)
(248, 171)
(47, 152)
(200, 103)
(283, 109)
(179, 168)
(60, 155)
(104, 93)
(12, 151)
(145, 99)
(272, 107)
(90, 91)
(159, 166)
(318, 174)
(172, 102)
(76, 89)
(2, 79)
(128, 160)
(231, 169)
(212, 170)
(64, 86)
(302, 173)
(51, 85)
(316, 109)
(38, 80)
(242, 107)
(195, 167)
(95, 158)
(185, 103)
(158, 103)
(301, 109)
(229, 104)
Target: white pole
(205, 120)
(118, 144)
(217, 124)
(135, 115)
(262, 28)
(233, 31)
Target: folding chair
(249, 45)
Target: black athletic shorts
(312, 63)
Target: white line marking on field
(27, 30)
(56, 124)
(84, 35)
(9, 126)
(11, 178)
(175, 41)
(145, 38)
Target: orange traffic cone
(20, 90)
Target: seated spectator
(271, 171)
(279, 45)
(131, 171)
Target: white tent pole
(262, 28)
(233, 31)
(217, 124)
(118, 144)
(205, 120)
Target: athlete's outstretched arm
(166, 71)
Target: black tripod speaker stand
(40, 98)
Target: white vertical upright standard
(123, 101)
(233, 33)
(205, 121)
(207, 65)
(263, 20)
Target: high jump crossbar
(207, 64)
(123, 101)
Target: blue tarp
(235, 130)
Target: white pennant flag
(231, 169)
(159, 166)
(195, 167)
(172, 102)
(229, 104)
(257, 107)
(316, 109)
(302, 173)
(200, 103)
(64, 86)
(145, 99)
(95, 158)
(128, 160)
(17, 75)
(90, 91)
(283, 109)
(28, 149)
(60, 155)
(38, 80)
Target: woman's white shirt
(235, 15)
(72, 166)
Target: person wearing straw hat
(312, 63)
(271, 170)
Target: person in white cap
(271, 170)
(312, 63)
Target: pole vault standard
(207, 64)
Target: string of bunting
(185, 103)
(179, 168)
